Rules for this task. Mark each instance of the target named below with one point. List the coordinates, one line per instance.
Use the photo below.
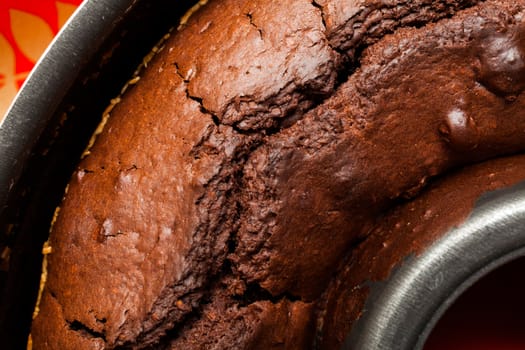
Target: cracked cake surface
(238, 174)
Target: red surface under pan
(488, 316)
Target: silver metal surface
(401, 312)
(48, 83)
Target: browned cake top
(237, 174)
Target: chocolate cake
(236, 184)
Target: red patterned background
(26, 29)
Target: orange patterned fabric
(26, 29)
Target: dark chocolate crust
(416, 107)
(233, 179)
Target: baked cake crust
(239, 171)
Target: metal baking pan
(402, 310)
(60, 105)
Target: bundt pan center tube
(403, 309)
(277, 175)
